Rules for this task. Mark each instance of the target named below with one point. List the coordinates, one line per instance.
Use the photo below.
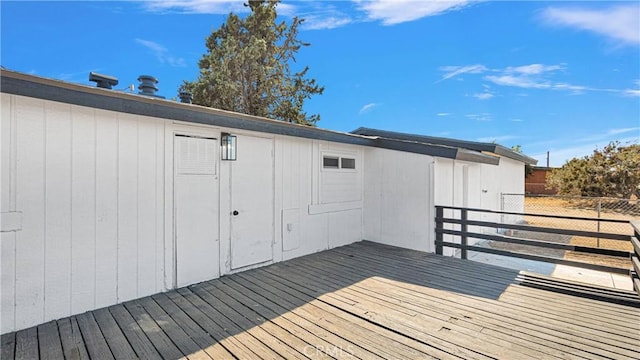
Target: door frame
(226, 204)
(172, 129)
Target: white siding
(322, 211)
(398, 199)
(87, 184)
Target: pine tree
(247, 67)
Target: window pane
(348, 163)
(330, 162)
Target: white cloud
(391, 12)
(516, 120)
(623, 131)
(196, 6)
(219, 7)
(443, 114)
(162, 53)
(583, 146)
(517, 81)
(314, 22)
(367, 108)
(532, 76)
(453, 71)
(483, 96)
(633, 92)
(620, 23)
(533, 69)
(479, 117)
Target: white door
(252, 202)
(196, 209)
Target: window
(330, 162)
(347, 163)
(336, 162)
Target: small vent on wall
(197, 156)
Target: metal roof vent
(185, 97)
(148, 86)
(103, 81)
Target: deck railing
(459, 220)
(635, 257)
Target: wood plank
(394, 296)
(417, 324)
(213, 329)
(285, 284)
(446, 306)
(541, 328)
(416, 277)
(8, 346)
(491, 326)
(182, 340)
(158, 338)
(72, 343)
(277, 338)
(230, 329)
(49, 341)
(377, 268)
(198, 332)
(113, 335)
(366, 343)
(27, 344)
(325, 267)
(289, 318)
(134, 334)
(97, 346)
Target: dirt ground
(550, 206)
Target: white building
(109, 196)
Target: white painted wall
(88, 184)
(312, 217)
(398, 199)
(87, 206)
(87, 203)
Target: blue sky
(552, 76)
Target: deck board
(49, 343)
(363, 301)
(72, 343)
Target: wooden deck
(363, 301)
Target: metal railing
(458, 227)
(635, 257)
(598, 208)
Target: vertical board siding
(147, 205)
(57, 211)
(90, 186)
(127, 207)
(160, 205)
(83, 210)
(106, 276)
(30, 199)
(8, 267)
(397, 198)
(7, 239)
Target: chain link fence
(591, 207)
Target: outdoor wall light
(228, 145)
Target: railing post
(463, 238)
(439, 226)
(598, 230)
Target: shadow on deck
(365, 301)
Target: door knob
(235, 213)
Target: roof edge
(465, 144)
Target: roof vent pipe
(185, 97)
(103, 81)
(148, 85)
